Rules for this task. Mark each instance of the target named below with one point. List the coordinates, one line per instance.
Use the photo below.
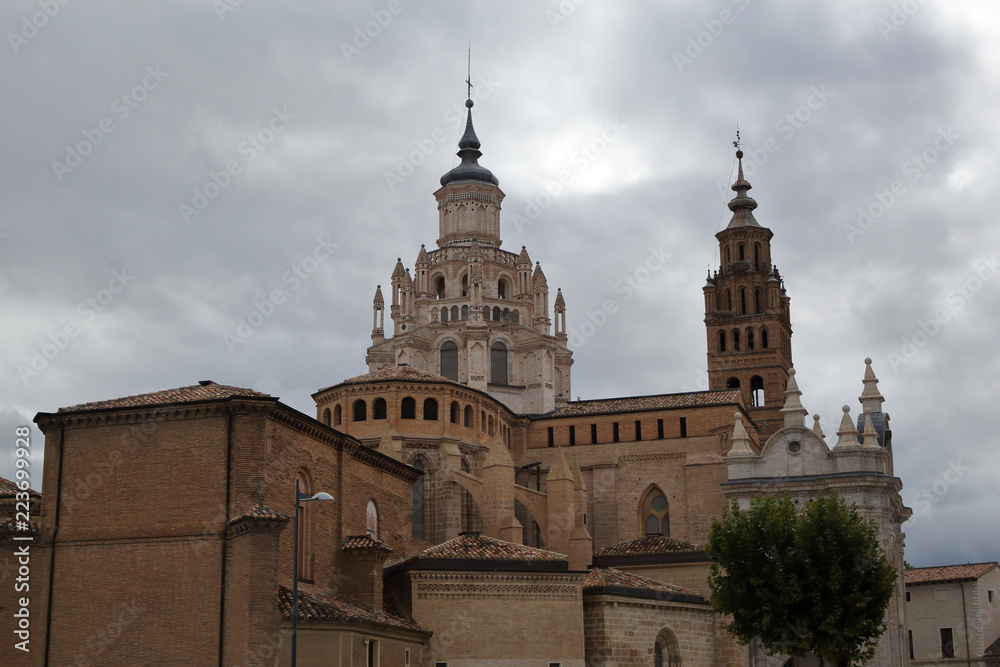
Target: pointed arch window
(379, 409)
(465, 285)
(439, 287)
(498, 363)
(360, 411)
(449, 360)
(654, 513)
(666, 650)
(408, 408)
(722, 341)
(418, 503)
(430, 409)
(502, 288)
(371, 520)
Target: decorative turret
(422, 267)
(523, 266)
(378, 315)
(741, 443)
(540, 286)
(747, 313)
(847, 436)
(793, 412)
(560, 311)
(469, 198)
(406, 297)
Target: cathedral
(479, 516)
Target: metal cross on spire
(468, 81)
(737, 143)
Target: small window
(736, 340)
(482, 420)
(555, 664)
(430, 409)
(440, 664)
(749, 339)
(659, 428)
(502, 289)
(907, 596)
(942, 593)
(743, 301)
(378, 409)
(360, 411)
(593, 434)
(455, 411)
(614, 432)
(326, 416)
(406, 658)
(572, 436)
(444, 313)
(408, 408)
(552, 441)
(337, 415)
(469, 416)
(947, 643)
(638, 430)
(763, 338)
(371, 520)
(733, 383)
(449, 360)
(909, 637)
(489, 427)
(989, 595)
(684, 427)
(757, 391)
(439, 287)
(722, 341)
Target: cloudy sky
(168, 166)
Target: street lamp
(299, 498)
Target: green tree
(814, 581)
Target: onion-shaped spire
(468, 150)
(742, 205)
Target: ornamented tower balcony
(747, 314)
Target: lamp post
(299, 498)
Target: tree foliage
(814, 581)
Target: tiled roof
(319, 607)
(364, 543)
(9, 488)
(643, 403)
(472, 546)
(609, 581)
(204, 391)
(943, 573)
(399, 373)
(647, 546)
(992, 654)
(259, 511)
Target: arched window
(439, 287)
(326, 416)
(360, 410)
(498, 363)
(337, 415)
(757, 391)
(489, 429)
(449, 360)
(418, 503)
(430, 409)
(379, 409)
(371, 520)
(408, 408)
(482, 420)
(465, 312)
(455, 409)
(496, 313)
(444, 313)
(502, 288)
(471, 521)
(465, 285)
(756, 257)
(516, 317)
(736, 340)
(454, 313)
(654, 513)
(756, 300)
(763, 337)
(505, 315)
(469, 416)
(666, 650)
(486, 312)
(743, 301)
(749, 339)
(722, 341)
(729, 299)
(305, 536)
(742, 251)
(725, 256)
(733, 383)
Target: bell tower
(747, 314)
